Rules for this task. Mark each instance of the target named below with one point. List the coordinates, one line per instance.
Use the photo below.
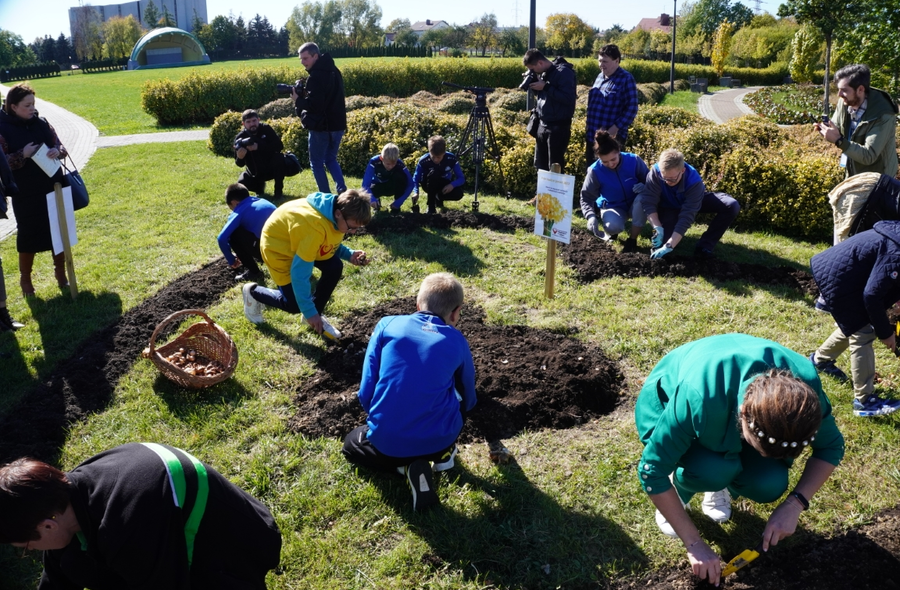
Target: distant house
(389, 39)
(420, 27)
(661, 23)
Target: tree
(721, 46)
(121, 34)
(568, 31)
(397, 25)
(151, 15)
(196, 23)
(807, 51)
(13, 51)
(64, 50)
(636, 43)
(86, 33)
(513, 41)
(406, 37)
(484, 34)
(610, 35)
(828, 16)
(702, 19)
(360, 23)
(313, 21)
(167, 20)
(220, 35)
(761, 46)
(875, 41)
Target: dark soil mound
(525, 378)
(593, 260)
(407, 222)
(84, 383)
(864, 558)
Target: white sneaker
(664, 526)
(717, 505)
(447, 462)
(329, 331)
(252, 308)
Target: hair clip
(784, 444)
(771, 440)
(793, 445)
(760, 434)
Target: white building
(182, 12)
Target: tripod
(481, 130)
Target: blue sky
(50, 17)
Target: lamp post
(532, 39)
(672, 68)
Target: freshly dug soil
(864, 558)
(525, 378)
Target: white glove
(593, 225)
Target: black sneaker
(6, 321)
(822, 306)
(249, 275)
(829, 368)
(704, 254)
(421, 483)
(630, 246)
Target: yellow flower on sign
(550, 208)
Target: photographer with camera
(322, 111)
(554, 85)
(258, 148)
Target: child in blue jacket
(418, 379)
(859, 279)
(387, 176)
(243, 229)
(439, 174)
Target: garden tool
(744, 558)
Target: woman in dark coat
(22, 132)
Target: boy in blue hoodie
(243, 229)
(418, 379)
(387, 176)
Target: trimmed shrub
(651, 93)
(354, 103)
(458, 103)
(511, 101)
(222, 134)
(277, 109)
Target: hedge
(201, 97)
(44, 70)
(103, 65)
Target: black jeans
(551, 144)
(246, 246)
(359, 451)
(257, 184)
(434, 185)
(724, 207)
(283, 297)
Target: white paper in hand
(49, 165)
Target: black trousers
(246, 246)
(283, 297)
(359, 451)
(434, 185)
(257, 184)
(551, 144)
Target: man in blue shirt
(612, 102)
(418, 379)
(242, 230)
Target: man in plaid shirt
(612, 102)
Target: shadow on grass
(17, 573)
(517, 536)
(441, 245)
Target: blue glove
(602, 203)
(660, 252)
(657, 240)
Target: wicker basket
(206, 338)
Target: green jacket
(873, 146)
(694, 392)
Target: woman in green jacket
(727, 415)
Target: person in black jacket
(555, 89)
(859, 279)
(323, 113)
(259, 148)
(7, 187)
(119, 522)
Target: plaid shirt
(612, 101)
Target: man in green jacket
(864, 125)
(727, 415)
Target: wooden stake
(64, 234)
(550, 271)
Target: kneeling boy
(242, 230)
(418, 379)
(387, 176)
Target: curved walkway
(82, 139)
(726, 104)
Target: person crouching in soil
(298, 236)
(727, 415)
(141, 515)
(418, 380)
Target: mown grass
(569, 511)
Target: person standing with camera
(554, 85)
(322, 111)
(259, 148)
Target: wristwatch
(839, 142)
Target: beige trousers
(862, 357)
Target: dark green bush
(366, 102)
(277, 109)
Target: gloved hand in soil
(657, 239)
(660, 252)
(594, 226)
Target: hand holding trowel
(743, 558)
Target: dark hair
(15, 95)
(30, 491)
(856, 75)
(604, 144)
(354, 204)
(437, 145)
(532, 56)
(611, 51)
(236, 192)
(783, 413)
(249, 114)
(309, 47)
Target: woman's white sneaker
(717, 505)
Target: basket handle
(177, 316)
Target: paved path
(82, 139)
(727, 104)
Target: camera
(244, 142)
(528, 78)
(825, 119)
(286, 88)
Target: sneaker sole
(249, 304)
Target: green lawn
(572, 507)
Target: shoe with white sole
(252, 308)
(717, 505)
(421, 484)
(447, 461)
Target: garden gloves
(657, 240)
(660, 252)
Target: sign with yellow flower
(553, 218)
